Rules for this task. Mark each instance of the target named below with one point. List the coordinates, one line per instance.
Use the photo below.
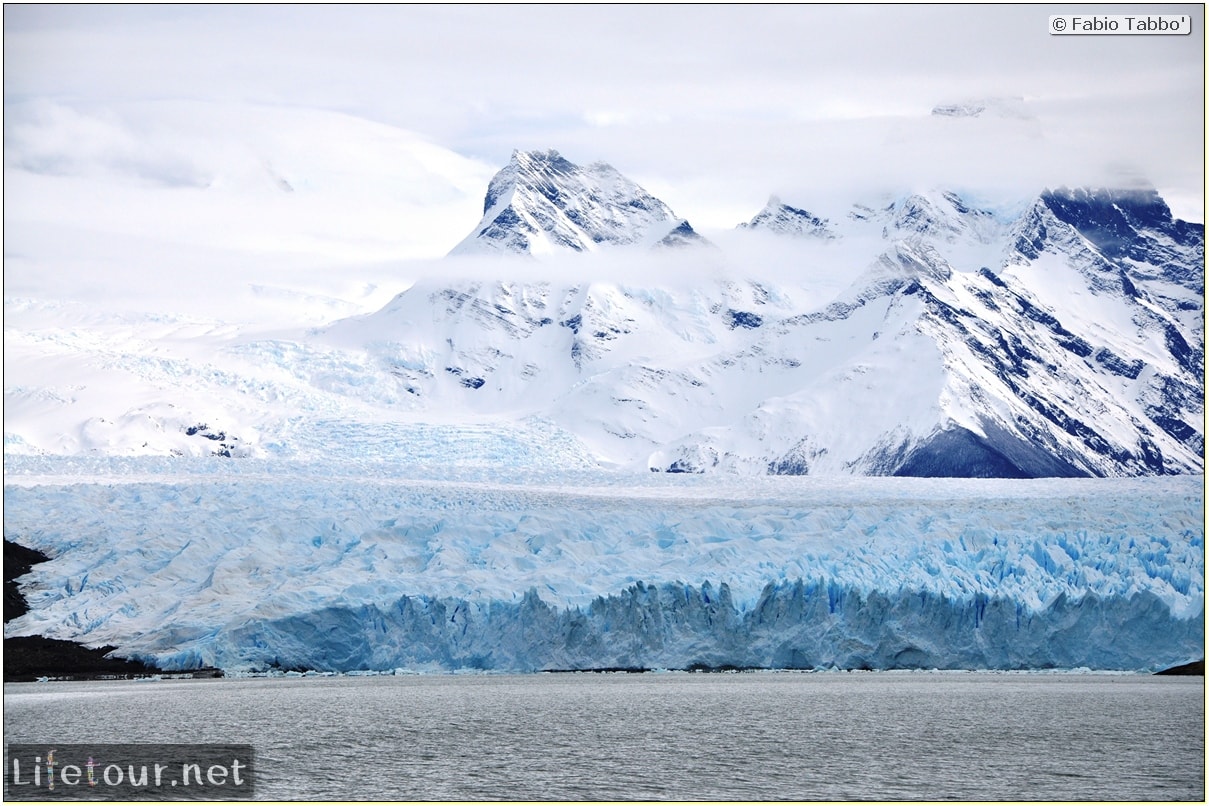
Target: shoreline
(1193, 669)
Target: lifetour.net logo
(128, 772)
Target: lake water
(675, 736)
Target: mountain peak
(541, 202)
(1114, 230)
(539, 160)
(780, 218)
(996, 107)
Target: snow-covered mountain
(540, 202)
(1065, 340)
(1079, 353)
(927, 334)
(780, 218)
(1002, 107)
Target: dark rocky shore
(32, 657)
(18, 561)
(1194, 669)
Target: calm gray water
(795, 736)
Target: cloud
(710, 107)
(48, 138)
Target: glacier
(343, 566)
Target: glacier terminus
(263, 568)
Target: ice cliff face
(795, 625)
(313, 568)
(541, 203)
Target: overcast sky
(710, 107)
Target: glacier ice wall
(799, 625)
(272, 564)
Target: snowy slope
(145, 241)
(541, 203)
(251, 565)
